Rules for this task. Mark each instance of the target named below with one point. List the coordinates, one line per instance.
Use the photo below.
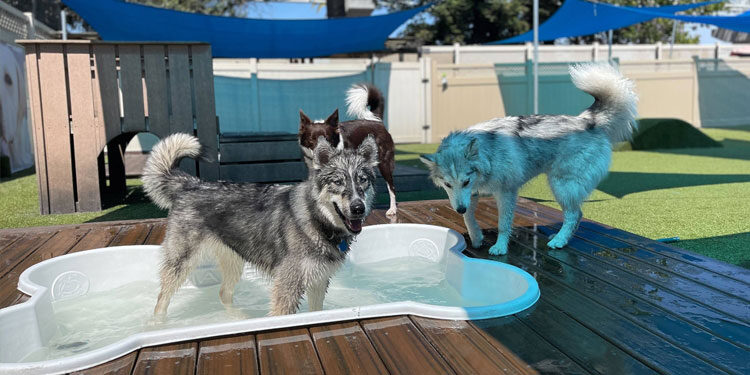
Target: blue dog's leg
(506, 205)
(475, 232)
(571, 218)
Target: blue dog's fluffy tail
(614, 109)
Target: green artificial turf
(20, 205)
(701, 195)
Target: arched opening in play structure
(121, 164)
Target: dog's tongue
(355, 225)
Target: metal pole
(536, 56)
(609, 53)
(63, 24)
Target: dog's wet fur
(498, 156)
(297, 235)
(366, 104)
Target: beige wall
(666, 88)
(470, 95)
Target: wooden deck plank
(467, 351)
(120, 366)
(670, 265)
(235, 355)
(594, 352)
(132, 235)
(344, 348)
(174, 359)
(20, 249)
(528, 345)
(156, 236)
(288, 351)
(681, 255)
(402, 347)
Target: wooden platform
(612, 303)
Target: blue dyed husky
(498, 156)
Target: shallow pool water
(101, 318)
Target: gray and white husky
(297, 234)
(498, 156)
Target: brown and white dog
(350, 134)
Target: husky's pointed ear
(303, 120)
(333, 119)
(323, 153)
(369, 150)
(428, 160)
(472, 150)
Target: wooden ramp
(611, 303)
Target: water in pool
(98, 318)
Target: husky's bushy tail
(361, 96)
(161, 180)
(614, 109)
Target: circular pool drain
(70, 284)
(424, 248)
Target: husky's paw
(391, 211)
(499, 249)
(557, 242)
(476, 241)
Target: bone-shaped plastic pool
(91, 307)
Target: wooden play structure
(86, 95)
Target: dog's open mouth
(354, 225)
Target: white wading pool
(94, 306)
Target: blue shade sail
(579, 18)
(117, 20)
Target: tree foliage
(215, 7)
(482, 21)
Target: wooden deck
(612, 303)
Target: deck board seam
(315, 349)
(375, 348)
(429, 342)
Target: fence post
(529, 87)
(456, 53)
(658, 51)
